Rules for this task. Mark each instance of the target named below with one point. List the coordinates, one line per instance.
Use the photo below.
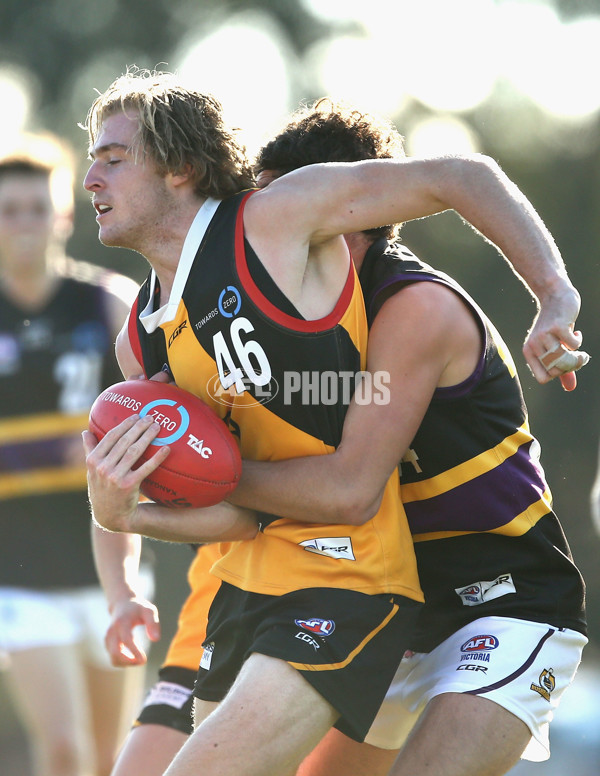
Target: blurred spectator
(58, 322)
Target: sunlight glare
(16, 99)
(244, 62)
(441, 135)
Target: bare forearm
(485, 197)
(117, 558)
(315, 489)
(222, 522)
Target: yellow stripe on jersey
(352, 655)
(37, 481)
(468, 470)
(51, 424)
(518, 526)
(503, 351)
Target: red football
(204, 464)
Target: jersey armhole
(134, 339)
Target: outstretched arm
(328, 199)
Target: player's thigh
(338, 754)
(49, 686)
(148, 751)
(461, 734)
(267, 723)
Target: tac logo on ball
(167, 422)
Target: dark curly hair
(329, 131)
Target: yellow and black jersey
(479, 508)
(229, 336)
(54, 361)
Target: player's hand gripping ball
(204, 464)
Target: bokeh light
(439, 135)
(246, 62)
(17, 89)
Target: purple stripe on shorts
(508, 679)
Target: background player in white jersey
(58, 322)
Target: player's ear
(181, 177)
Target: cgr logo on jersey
(546, 683)
(335, 547)
(317, 626)
(479, 592)
(480, 644)
(177, 332)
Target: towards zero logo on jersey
(317, 626)
(230, 302)
(480, 644)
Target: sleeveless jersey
(479, 508)
(53, 364)
(277, 379)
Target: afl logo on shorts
(317, 626)
(480, 644)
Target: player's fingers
(161, 377)
(125, 443)
(130, 653)
(89, 441)
(152, 624)
(114, 647)
(149, 466)
(537, 369)
(568, 381)
(564, 360)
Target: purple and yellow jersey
(478, 505)
(54, 361)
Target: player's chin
(111, 238)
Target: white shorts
(523, 666)
(47, 618)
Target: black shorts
(170, 701)
(347, 645)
